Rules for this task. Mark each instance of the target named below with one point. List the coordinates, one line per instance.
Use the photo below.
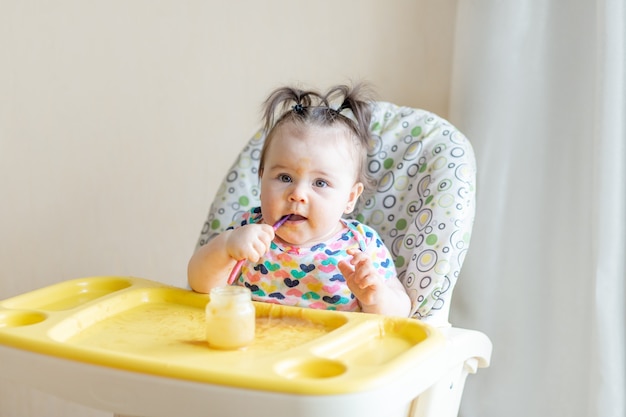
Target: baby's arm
(375, 294)
(211, 264)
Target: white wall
(119, 118)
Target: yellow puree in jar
(230, 323)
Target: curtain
(539, 88)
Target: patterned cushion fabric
(423, 207)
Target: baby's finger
(268, 230)
(355, 252)
(367, 280)
(345, 268)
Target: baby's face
(309, 174)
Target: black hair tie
(298, 108)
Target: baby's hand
(249, 242)
(362, 278)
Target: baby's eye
(284, 178)
(320, 183)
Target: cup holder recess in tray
(69, 294)
(17, 318)
(310, 368)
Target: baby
(312, 172)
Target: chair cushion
(425, 202)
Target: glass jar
(230, 318)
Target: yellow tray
(143, 326)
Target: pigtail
(357, 100)
(279, 102)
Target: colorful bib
(309, 276)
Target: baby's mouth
(296, 218)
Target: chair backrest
(423, 207)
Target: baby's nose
(297, 194)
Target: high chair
(136, 347)
(423, 209)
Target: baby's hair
(312, 108)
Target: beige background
(118, 119)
